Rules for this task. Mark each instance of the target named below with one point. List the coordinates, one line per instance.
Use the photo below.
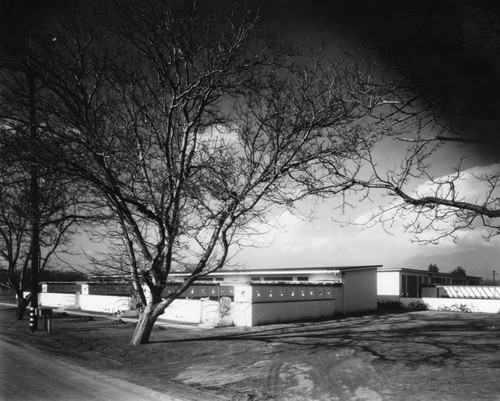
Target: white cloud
(471, 184)
(320, 241)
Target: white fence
(470, 291)
(453, 304)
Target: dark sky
(450, 49)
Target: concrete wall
(388, 283)
(254, 314)
(183, 310)
(259, 293)
(105, 289)
(58, 287)
(56, 300)
(104, 303)
(474, 305)
(360, 291)
(253, 304)
(196, 311)
(273, 303)
(338, 295)
(192, 311)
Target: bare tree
(38, 208)
(429, 205)
(438, 107)
(191, 124)
(56, 225)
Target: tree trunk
(22, 304)
(146, 323)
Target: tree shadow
(415, 338)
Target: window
(302, 278)
(278, 278)
(412, 286)
(409, 286)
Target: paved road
(28, 375)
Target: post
(46, 313)
(33, 320)
(33, 199)
(48, 321)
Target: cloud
(320, 241)
(475, 185)
(470, 185)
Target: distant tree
(62, 275)
(433, 268)
(489, 281)
(459, 271)
(56, 223)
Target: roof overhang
(284, 271)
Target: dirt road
(417, 356)
(28, 375)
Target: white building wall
(263, 304)
(228, 279)
(388, 283)
(324, 277)
(241, 313)
(338, 295)
(256, 314)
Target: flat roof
(285, 271)
(408, 269)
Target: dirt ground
(385, 356)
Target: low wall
(184, 310)
(254, 314)
(457, 304)
(105, 289)
(469, 291)
(194, 311)
(104, 303)
(58, 287)
(254, 304)
(56, 300)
